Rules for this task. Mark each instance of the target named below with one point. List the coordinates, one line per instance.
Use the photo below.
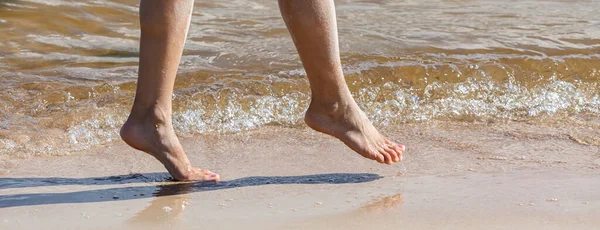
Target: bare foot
(153, 133)
(345, 121)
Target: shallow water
(69, 67)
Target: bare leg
(333, 111)
(149, 128)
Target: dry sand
(458, 176)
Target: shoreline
(458, 176)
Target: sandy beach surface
(497, 101)
(455, 175)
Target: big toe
(197, 174)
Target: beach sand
(497, 102)
(455, 175)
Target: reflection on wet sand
(166, 209)
(169, 203)
(381, 205)
(380, 213)
(170, 200)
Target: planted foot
(153, 133)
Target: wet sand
(69, 82)
(513, 175)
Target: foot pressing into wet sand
(164, 25)
(153, 133)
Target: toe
(392, 152)
(210, 176)
(386, 155)
(213, 177)
(203, 175)
(377, 156)
(402, 147)
(395, 155)
(398, 149)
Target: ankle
(331, 106)
(155, 114)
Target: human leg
(149, 128)
(333, 111)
